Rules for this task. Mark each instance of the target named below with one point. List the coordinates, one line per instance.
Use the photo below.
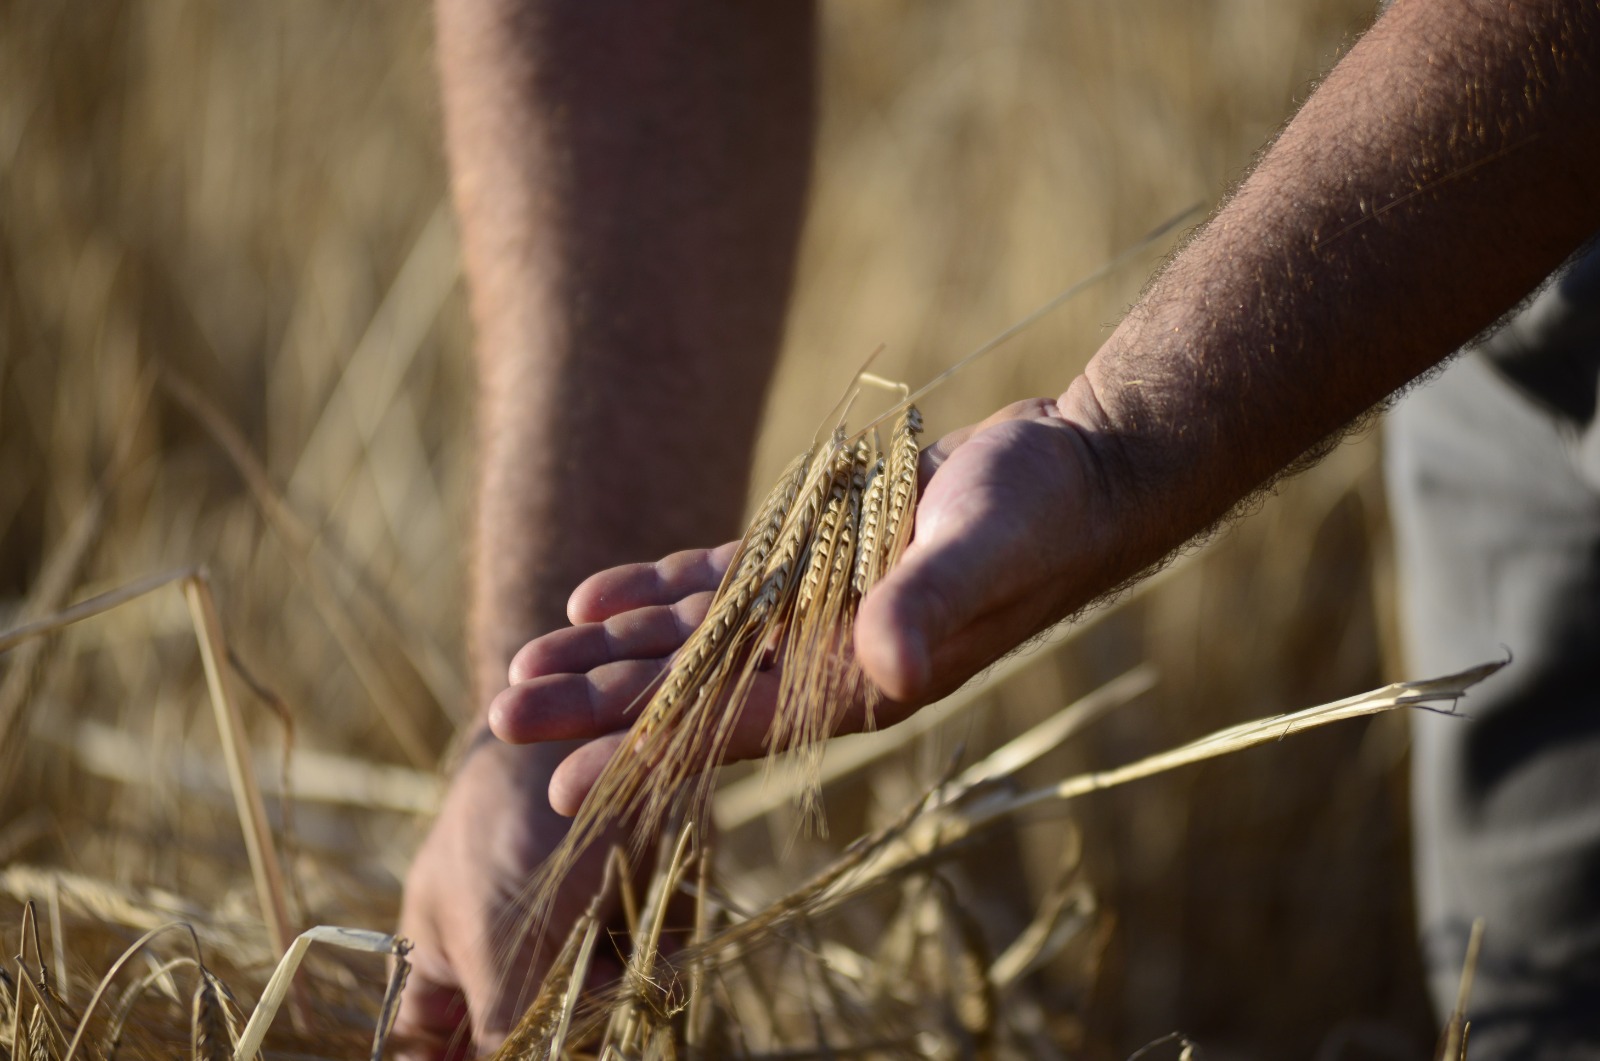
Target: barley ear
(871, 522)
(895, 518)
(818, 682)
(39, 1037)
(684, 727)
(762, 534)
(208, 1030)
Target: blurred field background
(237, 216)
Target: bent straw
(941, 821)
(272, 996)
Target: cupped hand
(475, 961)
(1009, 529)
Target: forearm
(630, 183)
(1444, 167)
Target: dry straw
(933, 980)
(772, 978)
(932, 966)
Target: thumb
(985, 536)
(942, 584)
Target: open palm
(1008, 526)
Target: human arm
(1446, 166)
(1442, 169)
(630, 183)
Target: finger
(986, 641)
(936, 453)
(574, 706)
(505, 976)
(576, 775)
(431, 1024)
(936, 591)
(648, 632)
(505, 986)
(986, 531)
(620, 589)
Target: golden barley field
(233, 341)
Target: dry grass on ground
(251, 201)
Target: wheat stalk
(688, 718)
(956, 812)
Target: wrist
(467, 746)
(486, 759)
(1136, 498)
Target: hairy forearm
(630, 179)
(1444, 167)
